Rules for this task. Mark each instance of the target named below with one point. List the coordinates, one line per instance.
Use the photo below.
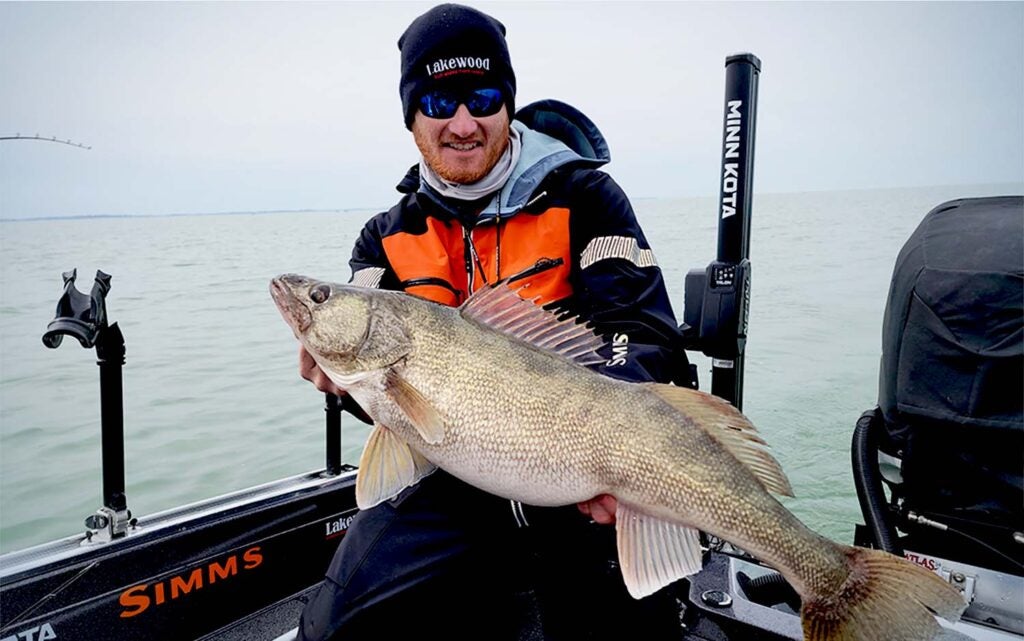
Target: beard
(460, 173)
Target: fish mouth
(294, 310)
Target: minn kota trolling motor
(84, 317)
(717, 298)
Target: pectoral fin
(654, 553)
(387, 466)
(418, 409)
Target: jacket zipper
(467, 248)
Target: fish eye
(320, 293)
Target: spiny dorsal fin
(730, 428)
(500, 308)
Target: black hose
(868, 480)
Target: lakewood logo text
(460, 64)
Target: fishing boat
(937, 475)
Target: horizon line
(259, 212)
(378, 208)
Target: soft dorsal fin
(500, 308)
(730, 428)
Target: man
(494, 199)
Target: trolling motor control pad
(716, 308)
(722, 275)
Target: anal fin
(387, 466)
(652, 552)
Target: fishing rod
(718, 297)
(44, 139)
(84, 317)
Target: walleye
(496, 393)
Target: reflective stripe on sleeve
(622, 247)
(368, 277)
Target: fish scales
(513, 400)
(593, 433)
(463, 390)
(587, 436)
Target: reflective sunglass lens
(444, 104)
(439, 104)
(484, 102)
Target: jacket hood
(567, 125)
(553, 134)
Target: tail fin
(884, 598)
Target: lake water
(213, 401)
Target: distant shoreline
(183, 214)
(1014, 188)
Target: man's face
(463, 148)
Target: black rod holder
(333, 406)
(729, 275)
(84, 317)
(110, 357)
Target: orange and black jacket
(559, 225)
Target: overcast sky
(195, 107)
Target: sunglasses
(444, 104)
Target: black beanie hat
(454, 46)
